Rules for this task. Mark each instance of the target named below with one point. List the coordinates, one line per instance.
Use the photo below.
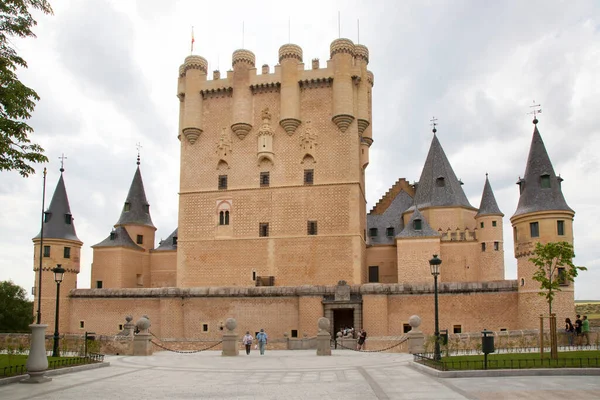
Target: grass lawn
(567, 359)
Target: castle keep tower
(61, 246)
(272, 170)
(542, 216)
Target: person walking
(569, 331)
(578, 324)
(247, 341)
(262, 337)
(585, 330)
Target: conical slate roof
(168, 243)
(136, 210)
(438, 185)
(534, 197)
(58, 221)
(488, 205)
(118, 238)
(409, 230)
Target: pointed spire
(136, 210)
(417, 227)
(169, 243)
(540, 187)
(118, 238)
(438, 185)
(488, 205)
(58, 220)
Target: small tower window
(46, 251)
(496, 246)
(140, 239)
(263, 229)
(309, 175)
(372, 232)
(515, 233)
(67, 252)
(68, 219)
(534, 229)
(47, 216)
(545, 181)
(389, 232)
(522, 281)
(494, 223)
(560, 228)
(222, 182)
(147, 208)
(98, 284)
(311, 227)
(127, 206)
(113, 235)
(174, 241)
(482, 246)
(417, 225)
(481, 225)
(440, 182)
(264, 179)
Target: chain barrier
(402, 340)
(182, 351)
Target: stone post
(37, 361)
(323, 338)
(230, 339)
(142, 345)
(416, 338)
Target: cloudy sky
(106, 72)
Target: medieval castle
(273, 222)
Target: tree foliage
(16, 312)
(17, 101)
(555, 267)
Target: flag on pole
(192, 45)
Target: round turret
(181, 70)
(370, 78)
(290, 51)
(245, 56)
(342, 46)
(361, 52)
(195, 62)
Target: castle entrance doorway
(343, 318)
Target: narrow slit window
(496, 246)
(309, 176)
(264, 179)
(263, 229)
(222, 182)
(312, 227)
(560, 228)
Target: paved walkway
(289, 375)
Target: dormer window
(440, 182)
(147, 208)
(545, 181)
(417, 225)
(174, 241)
(372, 232)
(127, 206)
(68, 219)
(389, 232)
(113, 235)
(47, 216)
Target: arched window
(226, 217)
(223, 211)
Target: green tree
(17, 101)
(555, 266)
(16, 312)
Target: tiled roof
(438, 185)
(533, 197)
(168, 243)
(409, 230)
(391, 218)
(139, 208)
(118, 238)
(488, 205)
(56, 216)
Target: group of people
(349, 332)
(261, 342)
(578, 331)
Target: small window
(373, 274)
(264, 179)
(309, 176)
(417, 225)
(253, 275)
(113, 235)
(372, 232)
(174, 241)
(522, 281)
(503, 329)
(295, 333)
(98, 284)
(562, 277)
(263, 229)
(81, 324)
(440, 182)
(496, 246)
(481, 225)
(67, 252)
(223, 217)
(389, 232)
(494, 223)
(482, 246)
(204, 327)
(545, 181)
(120, 327)
(68, 219)
(406, 328)
(311, 228)
(47, 216)
(457, 329)
(46, 251)
(140, 239)
(560, 228)
(147, 208)
(534, 229)
(222, 182)
(515, 233)
(127, 206)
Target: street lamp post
(434, 264)
(59, 272)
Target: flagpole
(192, 44)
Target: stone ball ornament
(323, 324)
(230, 324)
(143, 323)
(414, 321)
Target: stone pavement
(289, 375)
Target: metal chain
(402, 340)
(182, 351)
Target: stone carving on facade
(224, 146)
(342, 291)
(308, 141)
(265, 138)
